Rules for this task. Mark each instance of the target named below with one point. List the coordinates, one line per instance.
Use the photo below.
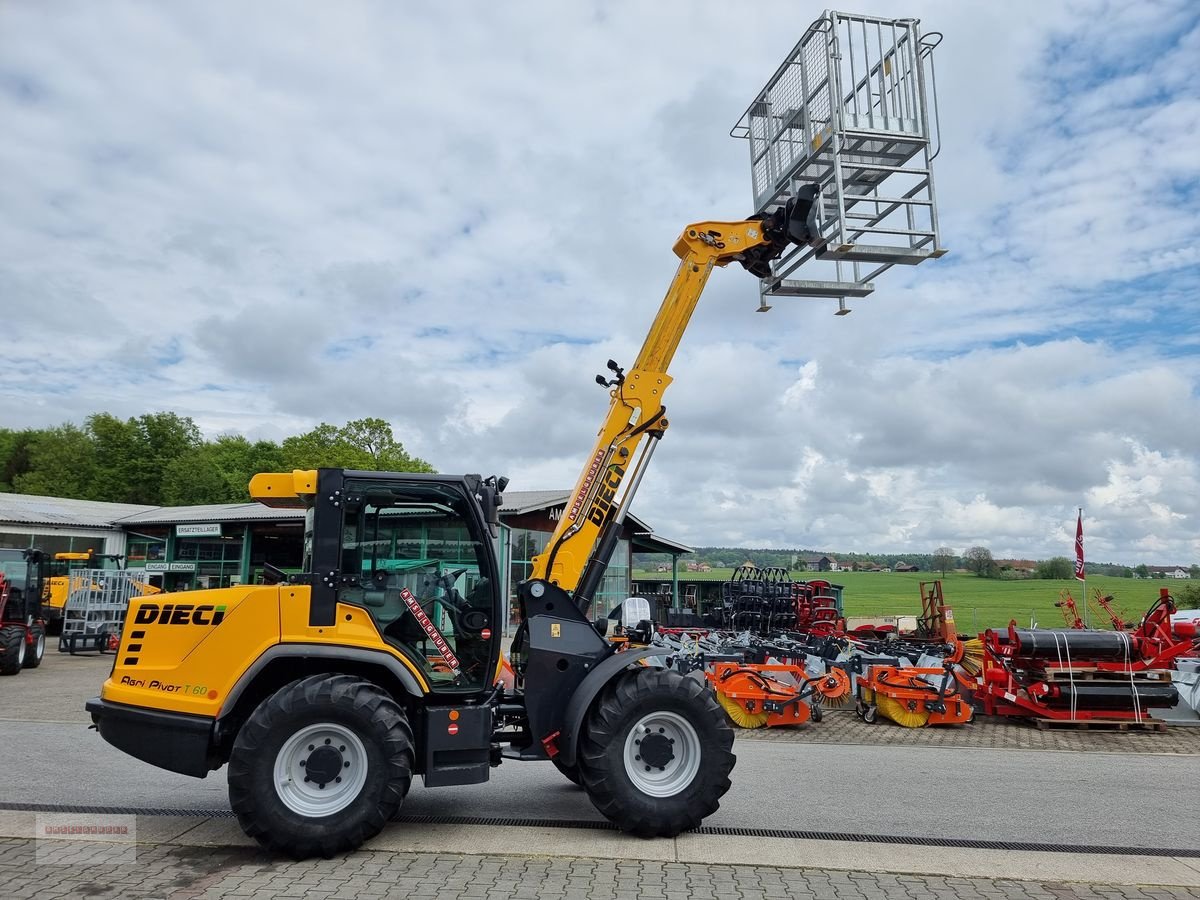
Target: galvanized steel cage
(852, 109)
(97, 600)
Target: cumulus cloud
(451, 217)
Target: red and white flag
(1079, 576)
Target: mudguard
(589, 689)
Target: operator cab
(22, 572)
(415, 552)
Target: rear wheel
(656, 754)
(35, 651)
(320, 766)
(12, 649)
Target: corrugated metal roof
(34, 510)
(31, 509)
(654, 543)
(219, 512)
(516, 502)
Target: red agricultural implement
(912, 697)
(1070, 611)
(755, 695)
(1080, 676)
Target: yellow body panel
(189, 663)
(284, 489)
(353, 627)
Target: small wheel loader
(22, 626)
(326, 692)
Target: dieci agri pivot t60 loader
(326, 692)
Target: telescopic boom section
(577, 553)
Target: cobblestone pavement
(202, 873)
(842, 726)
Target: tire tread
(384, 716)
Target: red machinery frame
(1017, 682)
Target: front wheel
(321, 766)
(656, 753)
(37, 649)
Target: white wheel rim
(40, 647)
(654, 774)
(329, 748)
(21, 651)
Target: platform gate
(850, 110)
(96, 606)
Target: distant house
(905, 567)
(1169, 572)
(820, 564)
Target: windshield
(423, 574)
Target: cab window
(413, 558)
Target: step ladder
(849, 110)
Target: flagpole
(1080, 570)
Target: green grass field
(978, 603)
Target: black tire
(37, 650)
(571, 773)
(817, 713)
(363, 709)
(12, 649)
(627, 701)
(871, 715)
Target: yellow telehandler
(326, 692)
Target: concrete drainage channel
(713, 830)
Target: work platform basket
(849, 110)
(96, 604)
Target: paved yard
(203, 873)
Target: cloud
(452, 217)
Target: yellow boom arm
(636, 411)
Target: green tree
(361, 444)
(1057, 567)
(218, 471)
(133, 455)
(1142, 571)
(979, 561)
(15, 449)
(943, 559)
(61, 463)
(116, 447)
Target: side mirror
(632, 612)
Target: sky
(269, 215)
